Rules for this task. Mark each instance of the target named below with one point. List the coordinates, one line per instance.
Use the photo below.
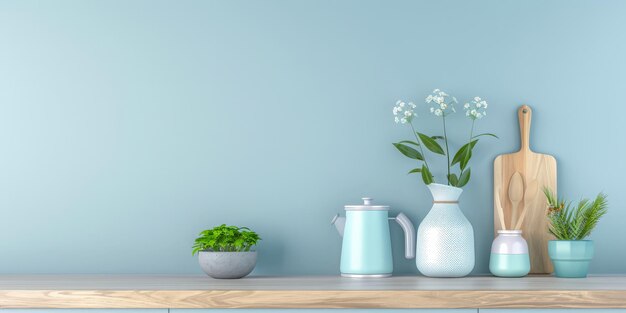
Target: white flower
(476, 109)
(408, 112)
(443, 102)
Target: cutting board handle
(525, 114)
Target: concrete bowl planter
(227, 265)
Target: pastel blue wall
(126, 127)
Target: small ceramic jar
(509, 255)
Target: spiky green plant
(574, 222)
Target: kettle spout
(340, 223)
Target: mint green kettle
(366, 247)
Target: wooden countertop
(113, 291)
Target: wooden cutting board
(536, 171)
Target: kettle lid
(366, 206)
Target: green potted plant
(226, 251)
(571, 224)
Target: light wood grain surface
(310, 292)
(534, 171)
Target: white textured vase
(445, 238)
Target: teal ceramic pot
(509, 255)
(571, 258)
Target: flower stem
(445, 137)
(469, 142)
(420, 142)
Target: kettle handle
(409, 235)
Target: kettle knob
(367, 200)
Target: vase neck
(444, 194)
(445, 202)
(445, 210)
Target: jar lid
(510, 231)
(509, 242)
(366, 206)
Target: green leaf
(408, 151)
(453, 179)
(486, 134)
(411, 142)
(426, 176)
(437, 137)
(431, 144)
(225, 238)
(462, 151)
(415, 170)
(464, 178)
(465, 159)
(573, 222)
